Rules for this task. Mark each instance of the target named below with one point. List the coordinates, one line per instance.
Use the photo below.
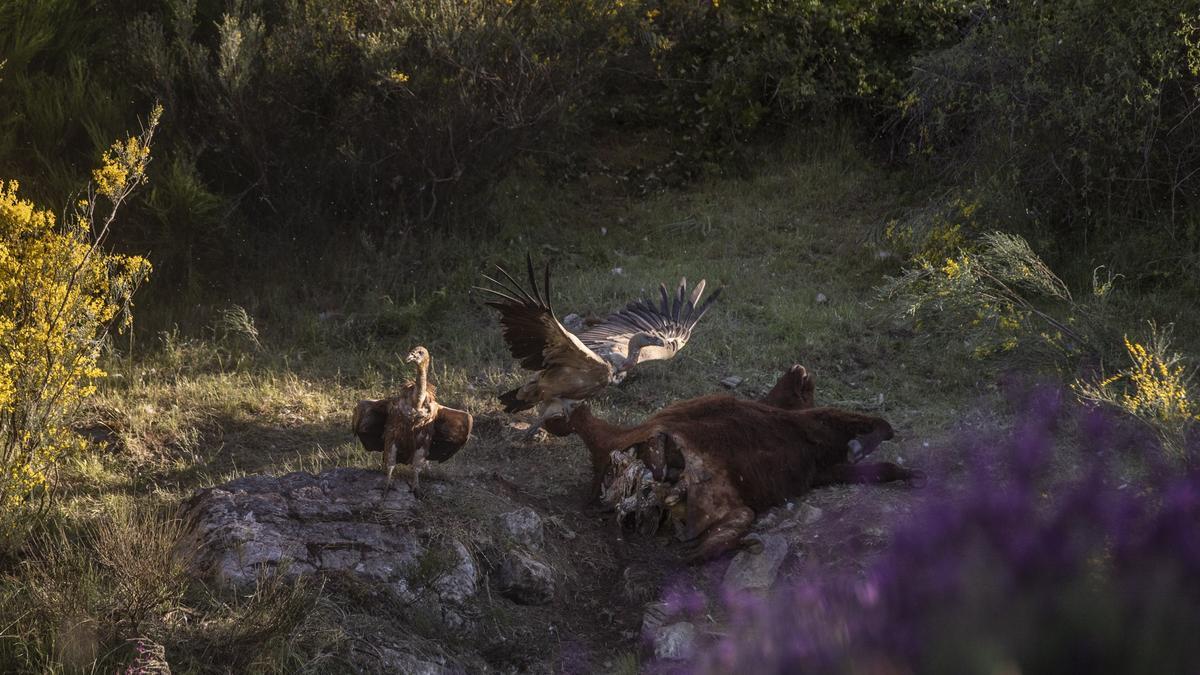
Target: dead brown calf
(740, 457)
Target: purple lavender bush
(1043, 558)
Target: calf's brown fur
(739, 457)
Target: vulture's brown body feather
(412, 427)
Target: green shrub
(1155, 388)
(734, 67)
(80, 595)
(990, 295)
(1076, 119)
(377, 111)
(59, 107)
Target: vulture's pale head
(418, 355)
(636, 343)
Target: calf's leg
(864, 472)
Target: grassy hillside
(272, 390)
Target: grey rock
(654, 617)
(794, 515)
(822, 299)
(459, 581)
(731, 382)
(573, 322)
(523, 527)
(752, 571)
(675, 642)
(381, 659)
(525, 580)
(300, 523)
(809, 514)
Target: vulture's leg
(874, 472)
(389, 465)
(418, 462)
(533, 429)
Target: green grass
(270, 388)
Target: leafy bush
(78, 596)
(384, 113)
(60, 291)
(1076, 117)
(1021, 568)
(989, 295)
(731, 68)
(58, 105)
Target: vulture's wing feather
(369, 419)
(451, 430)
(534, 336)
(673, 319)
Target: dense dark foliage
(1075, 119)
(298, 120)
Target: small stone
(525, 580)
(655, 615)
(675, 642)
(563, 530)
(757, 571)
(458, 583)
(822, 299)
(388, 660)
(573, 322)
(523, 527)
(731, 382)
(810, 514)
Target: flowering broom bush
(60, 291)
(1153, 389)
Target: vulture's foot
(531, 433)
(414, 481)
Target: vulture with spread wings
(569, 367)
(672, 321)
(412, 427)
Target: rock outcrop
(334, 523)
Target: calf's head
(868, 437)
(793, 391)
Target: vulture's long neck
(420, 391)
(635, 349)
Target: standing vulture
(568, 367)
(411, 427)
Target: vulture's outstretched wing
(673, 321)
(369, 419)
(451, 430)
(534, 336)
